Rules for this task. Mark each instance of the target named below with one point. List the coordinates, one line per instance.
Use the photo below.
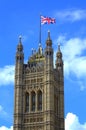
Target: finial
(49, 34)
(58, 43)
(59, 46)
(39, 44)
(20, 37)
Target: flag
(47, 20)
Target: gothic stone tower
(39, 90)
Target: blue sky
(22, 18)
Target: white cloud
(74, 57)
(1, 108)
(71, 15)
(5, 128)
(72, 123)
(2, 112)
(7, 117)
(6, 75)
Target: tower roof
(20, 46)
(59, 53)
(49, 41)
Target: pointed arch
(39, 100)
(33, 101)
(26, 102)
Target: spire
(49, 41)
(59, 61)
(59, 47)
(19, 53)
(20, 46)
(48, 34)
(20, 38)
(59, 54)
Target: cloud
(72, 123)
(74, 57)
(6, 75)
(5, 128)
(4, 115)
(71, 15)
(2, 112)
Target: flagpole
(40, 30)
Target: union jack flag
(47, 20)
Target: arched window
(33, 95)
(27, 102)
(40, 100)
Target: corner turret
(49, 41)
(19, 53)
(18, 109)
(59, 61)
(49, 52)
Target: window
(39, 100)
(27, 102)
(33, 95)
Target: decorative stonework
(39, 90)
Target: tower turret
(59, 67)
(49, 41)
(18, 110)
(48, 79)
(19, 53)
(49, 51)
(59, 61)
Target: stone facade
(39, 90)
